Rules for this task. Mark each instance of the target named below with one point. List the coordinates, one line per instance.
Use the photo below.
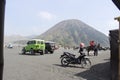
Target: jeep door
(30, 45)
(42, 45)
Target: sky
(34, 17)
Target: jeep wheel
(32, 51)
(23, 51)
(46, 51)
(51, 52)
(42, 52)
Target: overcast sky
(33, 17)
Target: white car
(10, 46)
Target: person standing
(82, 45)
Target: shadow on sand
(28, 54)
(97, 72)
(70, 66)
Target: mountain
(71, 32)
(16, 40)
(31, 36)
(12, 38)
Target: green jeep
(34, 46)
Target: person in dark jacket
(96, 50)
(81, 48)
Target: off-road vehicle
(34, 46)
(49, 47)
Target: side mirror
(27, 43)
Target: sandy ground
(48, 66)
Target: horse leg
(95, 52)
(88, 52)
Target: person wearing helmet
(81, 48)
(81, 51)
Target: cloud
(46, 15)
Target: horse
(92, 48)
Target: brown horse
(92, 48)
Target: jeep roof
(49, 42)
(37, 40)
